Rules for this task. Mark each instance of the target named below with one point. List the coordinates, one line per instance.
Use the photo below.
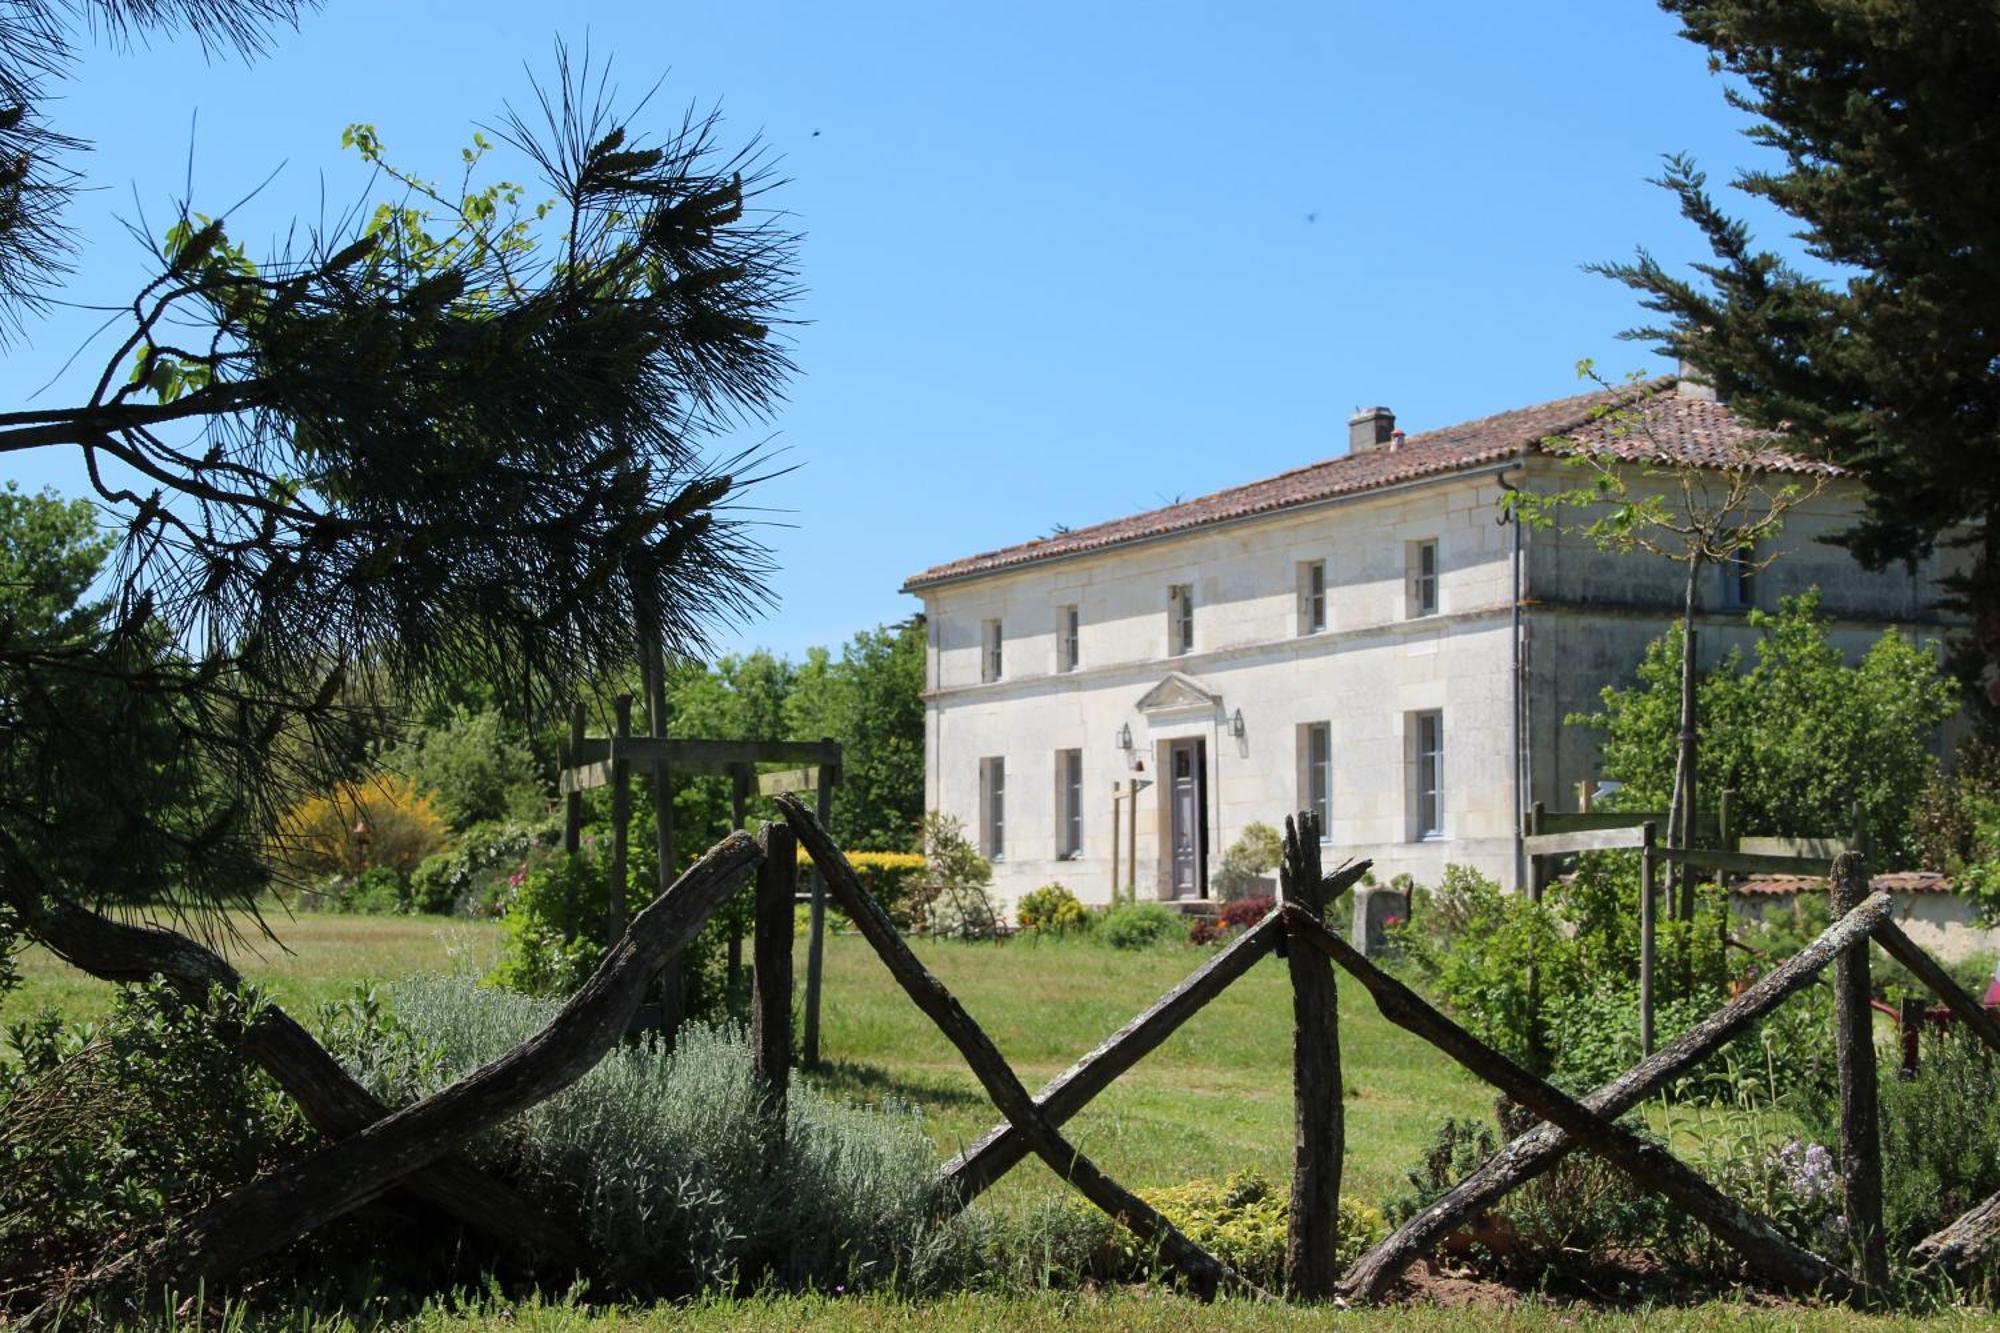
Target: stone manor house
(1364, 637)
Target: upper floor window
(1067, 623)
(1180, 619)
(1422, 558)
(1739, 581)
(1427, 773)
(1069, 804)
(989, 650)
(993, 808)
(1312, 596)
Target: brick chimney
(1369, 428)
(1691, 383)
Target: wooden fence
(376, 1151)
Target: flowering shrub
(554, 927)
(891, 878)
(318, 835)
(1241, 1220)
(1205, 930)
(1051, 908)
(1246, 912)
(1138, 925)
(1253, 855)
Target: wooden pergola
(609, 761)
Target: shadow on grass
(862, 1082)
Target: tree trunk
(1680, 813)
(288, 1203)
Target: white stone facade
(1496, 671)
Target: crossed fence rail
(376, 1151)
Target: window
(1316, 774)
(1739, 581)
(989, 651)
(1312, 596)
(1069, 804)
(1180, 619)
(1422, 558)
(1067, 623)
(1427, 749)
(993, 808)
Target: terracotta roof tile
(1678, 430)
(1901, 881)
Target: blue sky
(1063, 262)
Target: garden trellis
(376, 1151)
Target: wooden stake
(1648, 933)
(739, 804)
(621, 817)
(816, 939)
(573, 802)
(1312, 1240)
(771, 963)
(1854, 1047)
(1114, 843)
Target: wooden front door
(1187, 806)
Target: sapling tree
(1637, 496)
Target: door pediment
(1179, 693)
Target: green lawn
(1216, 1098)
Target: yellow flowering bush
(1241, 1220)
(890, 878)
(318, 838)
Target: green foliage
(376, 889)
(475, 876)
(1051, 908)
(871, 701)
(1241, 1220)
(1255, 853)
(555, 927)
(1800, 736)
(954, 882)
(1139, 926)
(1887, 143)
(670, 1161)
(1940, 1136)
(108, 1133)
(475, 766)
(1957, 818)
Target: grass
(1215, 1098)
(1143, 1310)
(319, 957)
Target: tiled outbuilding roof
(1901, 881)
(1674, 430)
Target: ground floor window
(993, 808)
(1316, 773)
(1069, 804)
(1427, 771)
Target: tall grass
(671, 1161)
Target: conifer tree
(1886, 358)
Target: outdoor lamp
(1236, 724)
(1124, 735)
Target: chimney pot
(1369, 428)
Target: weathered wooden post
(621, 815)
(1535, 863)
(739, 805)
(1648, 922)
(1854, 1047)
(573, 799)
(1312, 1238)
(816, 937)
(672, 984)
(771, 963)
(1115, 799)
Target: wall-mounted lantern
(1236, 724)
(1125, 736)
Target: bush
(555, 928)
(893, 879)
(1254, 854)
(378, 889)
(964, 912)
(1940, 1137)
(109, 1133)
(951, 864)
(670, 1161)
(1138, 925)
(1242, 1221)
(475, 767)
(1051, 908)
(484, 864)
(317, 836)
(1246, 912)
